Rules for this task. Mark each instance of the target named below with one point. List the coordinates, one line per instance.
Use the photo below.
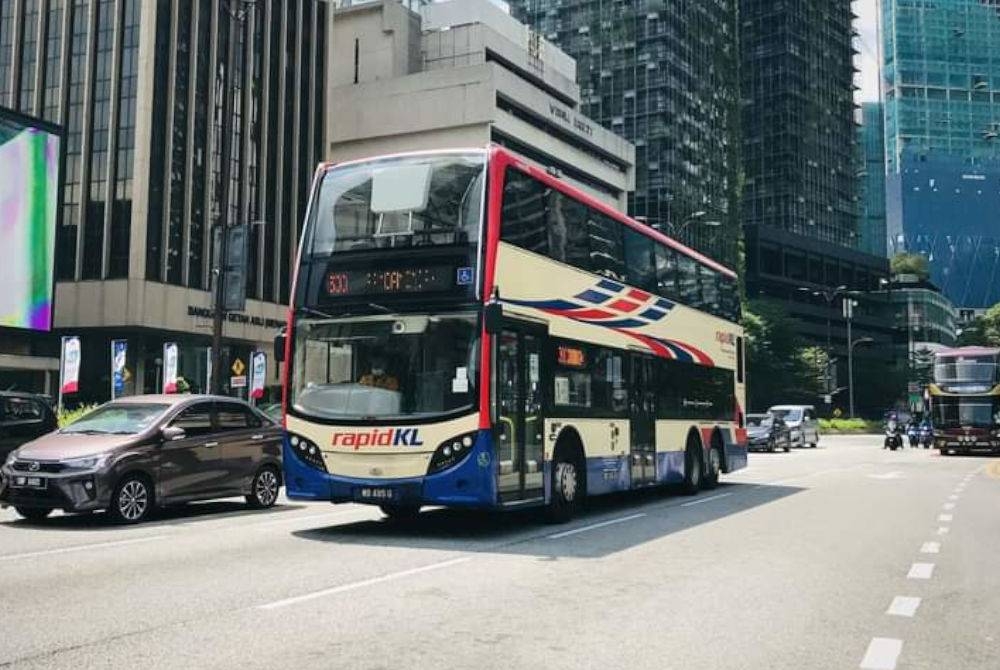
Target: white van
(802, 421)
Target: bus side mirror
(279, 347)
(493, 317)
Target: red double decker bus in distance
(965, 400)
(468, 330)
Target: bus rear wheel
(714, 466)
(693, 467)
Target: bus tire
(713, 468)
(567, 487)
(400, 513)
(693, 466)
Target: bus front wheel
(567, 490)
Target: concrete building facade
(138, 86)
(464, 74)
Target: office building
(464, 74)
(941, 85)
(664, 75)
(873, 235)
(138, 86)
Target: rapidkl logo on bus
(390, 437)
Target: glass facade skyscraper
(941, 81)
(664, 75)
(873, 236)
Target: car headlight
(86, 463)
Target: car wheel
(770, 446)
(787, 447)
(34, 514)
(400, 513)
(693, 467)
(264, 488)
(566, 491)
(132, 500)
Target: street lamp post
(829, 295)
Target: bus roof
(541, 174)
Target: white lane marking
(930, 548)
(593, 526)
(882, 654)
(945, 517)
(903, 606)
(887, 475)
(953, 497)
(311, 517)
(363, 583)
(921, 571)
(948, 506)
(942, 530)
(82, 547)
(705, 500)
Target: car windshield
(119, 419)
(788, 414)
(760, 420)
(430, 200)
(385, 367)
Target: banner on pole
(70, 382)
(119, 349)
(208, 370)
(258, 374)
(170, 367)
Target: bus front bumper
(471, 483)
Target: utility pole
(235, 18)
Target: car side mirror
(171, 433)
(493, 317)
(279, 347)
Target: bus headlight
(307, 451)
(451, 452)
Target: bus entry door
(519, 429)
(643, 423)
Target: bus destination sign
(391, 281)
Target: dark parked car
(23, 418)
(766, 432)
(134, 454)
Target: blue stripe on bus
(592, 296)
(653, 314)
(623, 323)
(606, 474)
(665, 304)
(608, 285)
(559, 305)
(670, 467)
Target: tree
(781, 368)
(911, 264)
(984, 331)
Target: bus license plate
(375, 493)
(28, 482)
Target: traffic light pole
(219, 271)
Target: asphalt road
(842, 557)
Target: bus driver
(377, 377)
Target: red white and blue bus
(468, 330)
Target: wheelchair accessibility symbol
(463, 276)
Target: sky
(868, 60)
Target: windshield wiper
(313, 313)
(86, 431)
(381, 308)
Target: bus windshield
(952, 412)
(414, 201)
(387, 367)
(966, 370)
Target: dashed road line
(953, 497)
(943, 530)
(602, 524)
(945, 517)
(882, 654)
(948, 506)
(921, 571)
(705, 500)
(903, 606)
(82, 547)
(930, 548)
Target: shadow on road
(525, 532)
(174, 515)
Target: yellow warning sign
(238, 367)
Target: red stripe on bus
(624, 305)
(641, 296)
(497, 162)
(585, 313)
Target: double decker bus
(468, 330)
(965, 400)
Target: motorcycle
(926, 436)
(893, 436)
(913, 433)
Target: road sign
(238, 382)
(238, 367)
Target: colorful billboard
(29, 206)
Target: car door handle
(211, 444)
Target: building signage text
(234, 317)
